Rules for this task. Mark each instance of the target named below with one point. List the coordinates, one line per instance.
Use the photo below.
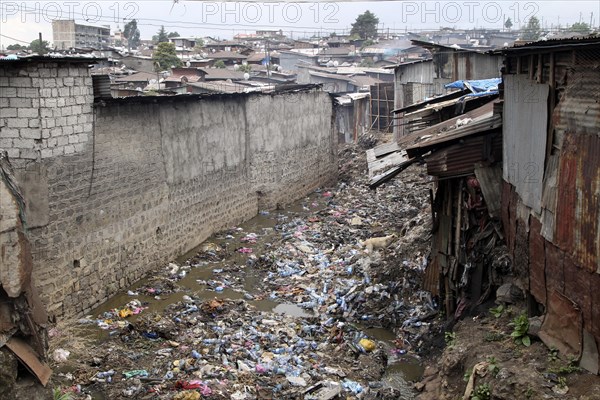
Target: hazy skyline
(22, 20)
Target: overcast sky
(20, 21)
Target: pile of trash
(349, 257)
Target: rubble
(281, 310)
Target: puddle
(405, 367)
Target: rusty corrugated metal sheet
(460, 159)
(577, 228)
(577, 287)
(595, 295)
(555, 274)
(562, 326)
(537, 273)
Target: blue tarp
(476, 86)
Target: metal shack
(551, 187)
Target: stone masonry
(129, 184)
(45, 108)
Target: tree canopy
(15, 46)
(132, 34)
(173, 34)
(508, 23)
(533, 30)
(39, 47)
(161, 36)
(580, 27)
(365, 25)
(219, 64)
(166, 56)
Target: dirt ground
(509, 369)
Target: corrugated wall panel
(537, 273)
(555, 274)
(525, 132)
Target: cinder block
(48, 83)
(29, 154)
(30, 133)
(21, 143)
(69, 149)
(49, 103)
(48, 72)
(8, 92)
(20, 82)
(56, 132)
(28, 113)
(46, 113)
(17, 123)
(19, 102)
(34, 123)
(9, 133)
(28, 92)
(8, 112)
(13, 153)
(6, 143)
(47, 153)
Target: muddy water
(399, 370)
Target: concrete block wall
(153, 178)
(45, 109)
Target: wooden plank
(385, 149)
(389, 161)
(30, 359)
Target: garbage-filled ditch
(319, 300)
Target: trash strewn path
(296, 303)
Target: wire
(15, 39)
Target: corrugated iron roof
(553, 44)
(484, 124)
(460, 159)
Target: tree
(533, 30)
(365, 25)
(219, 64)
(161, 36)
(367, 62)
(15, 46)
(39, 48)
(132, 34)
(508, 23)
(580, 27)
(245, 68)
(166, 56)
(173, 34)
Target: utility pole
(267, 56)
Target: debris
(285, 317)
(60, 355)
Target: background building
(67, 34)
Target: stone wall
(156, 176)
(45, 109)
